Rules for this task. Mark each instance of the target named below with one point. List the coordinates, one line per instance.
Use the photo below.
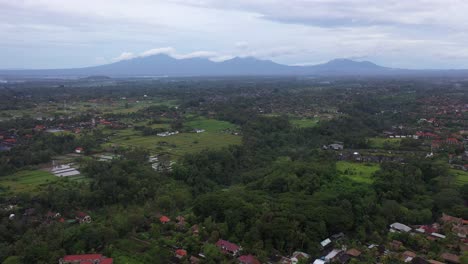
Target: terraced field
(215, 136)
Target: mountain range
(164, 65)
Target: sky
(36, 34)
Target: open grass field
(305, 122)
(359, 172)
(384, 143)
(461, 177)
(214, 137)
(26, 181)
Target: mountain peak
(350, 65)
(166, 65)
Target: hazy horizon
(48, 34)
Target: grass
(212, 138)
(26, 181)
(461, 177)
(358, 172)
(384, 143)
(305, 122)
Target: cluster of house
(458, 227)
(112, 124)
(167, 133)
(196, 130)
(31, 215)
(64, 170)
(451, 142)
(7, 140)
(391, 134)
(369, 157)
(85, 259)
(161, 163)
(334, 146)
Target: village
(82, 164)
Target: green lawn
(384, 143)
(305, 122)
(461, 177)
(26, 181)
(359, 172)
(214, 137)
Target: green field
(213, 137)
(26, 181)
(384, 143)
(305, 122)
(359, 172)
(117, 106)
(461, 177)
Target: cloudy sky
(76, 33)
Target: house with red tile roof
(227, 247)
(180, 253)
(79, 150)
(164, 219)
(86, 259)
(83, 218)
(248, 259)
(39, 127)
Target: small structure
(399, 227)
(248, 259)
(298, 256)
(164, 219)
(65, 170)
(325, 242)
(180, 253)
(395, 245)
(334, 146)
(332, 255)
(437, 235)
(450, 258)
(408, 256)
(79, 150)
(86, 259)
(196, 130)
(195, 230)
(227, 247)
(83, 218)
(353, 253)
(194, 260)
(319, 261)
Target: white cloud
(170, 51)
(124, 56)
(166, 50)
(75, 32)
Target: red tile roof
(87, 259)
(164, 219)
(248, 259)
(181, 252)
(228, 246)
(84, 257)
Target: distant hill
(164, 65)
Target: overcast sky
(76, 33)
